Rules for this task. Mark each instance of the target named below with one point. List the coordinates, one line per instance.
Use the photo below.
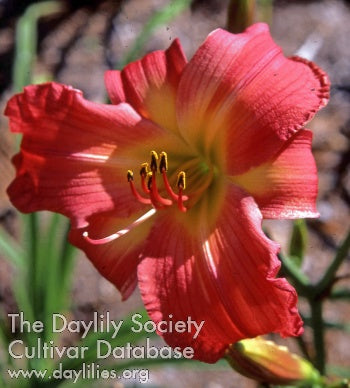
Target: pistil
(121, 232)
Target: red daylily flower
(230, 121)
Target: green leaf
(26, 40)
(5, 339)
(340, 293)
(67, 260)
(10, 249)
(298, 241)
(50, 275)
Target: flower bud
(268, 362)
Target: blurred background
(79, 40)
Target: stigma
(148, 174)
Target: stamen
(149, 183)
(143, 173)
(154, 160)
(130, 177)
(156, 204)
(169, 190)
(163, 168)
(154, 194)
(121, 232)
(168, 187)
(181, 180)
(163, 164)
(181, 184)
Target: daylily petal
(286, 186)
(150, 84)
(75, 153)
(116, 261)
(241, 93)
(225, 278)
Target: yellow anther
(154, 161)
(130, 176)
(149, 180)
(144, 170)
(181, 180)
(163, 163)
(148, 173)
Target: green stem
(303, 347)
(240, 15)
(341, 293)
(333, 325)
(300, 280)
(318, 335)
(318, 293)
(327, 281)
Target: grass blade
(10, 250)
